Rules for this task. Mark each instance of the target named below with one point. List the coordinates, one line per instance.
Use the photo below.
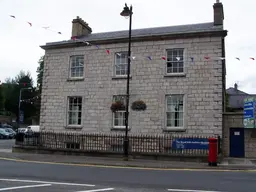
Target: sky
(20, 43)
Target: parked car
(11, 131)
(4, 134)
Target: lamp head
(126, 12)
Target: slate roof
(156, 31)
(236, 98)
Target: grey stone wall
(202, 86)
(235, 120)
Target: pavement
(226, 164)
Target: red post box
(213, 151)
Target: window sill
(175, 75)
(75, 79)
(174, 129)
(74, 127)
(119, 129)
(120, 77)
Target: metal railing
(113, 143)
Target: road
(56, 177)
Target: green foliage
(2, 98)
(12, 88)
(40, 70)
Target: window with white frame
(119, 116)
(77, 66)
(175, 61)
(74, 110)
(121, 63)
(175, 111)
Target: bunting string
(31, 100)
(150, 58)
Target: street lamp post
(21, 89)
(127, 12)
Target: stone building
(182, 83)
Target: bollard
(213, 151)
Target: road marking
(48, 182)
(97, 190)
(128, 167)
(189, 190)
(23, 187)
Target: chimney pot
(218, 13)
(80, 27)
(235, 86)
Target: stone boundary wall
(235, 120)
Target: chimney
(236, 86)
(80, 27)
(218, 13)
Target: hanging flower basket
(139, 105)
(117, 106)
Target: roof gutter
(70, 44)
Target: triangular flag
(107, 51)
(149, 57)
(119, 54)
(252, 58)
(59, 33)
(164, 58)
(192, 59)
(133, 57)
(178, 58)
(222, 58)
(87, 43)
(12, 16)
(73, 38)
(97, 46)
(207, 57)
(238, 58)
(30, 24)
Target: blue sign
(21, 118)
(190, 143)
(249, 113)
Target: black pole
(126, 139)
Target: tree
(12, 93)
(37, 102)
(2, 98)
(40, 70)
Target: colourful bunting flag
(164, 58)
(12, 16)
(252, 58)
(30, 24)
(108, 52)
(238, 58)
(149, 57)
(206, 57)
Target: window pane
(174, 111)
(75, 111)
(175, 63)
(121, 63)
(77, 66)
